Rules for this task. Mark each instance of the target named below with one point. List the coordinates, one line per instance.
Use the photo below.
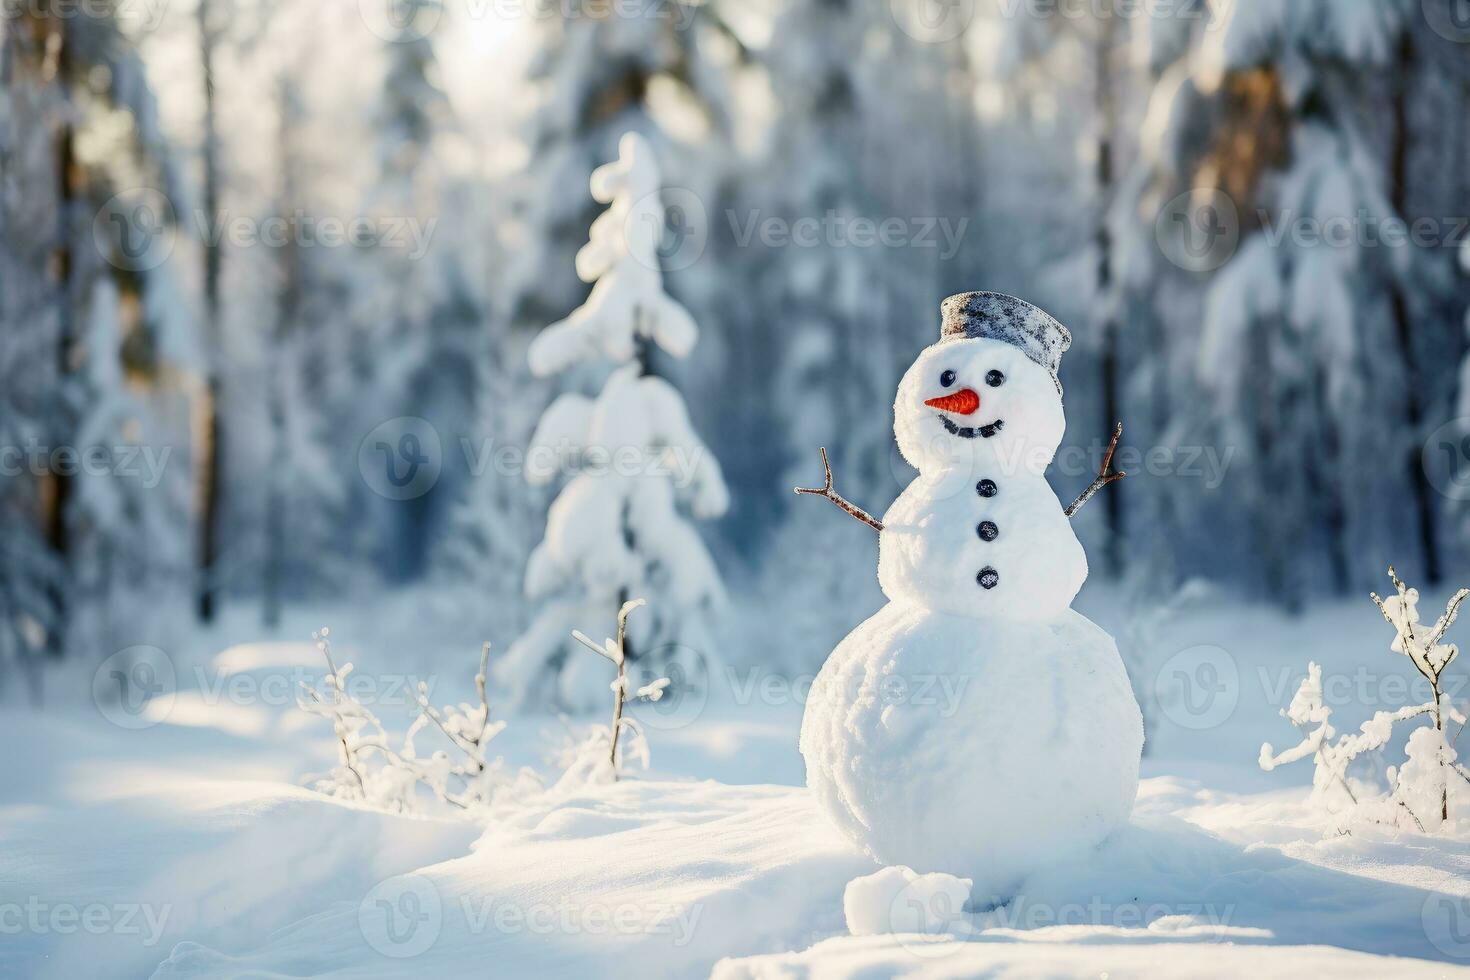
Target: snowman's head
(978, 402)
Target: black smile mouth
(970, 432)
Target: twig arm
(850, 509)
(1104, 475)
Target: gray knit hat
(996, 316)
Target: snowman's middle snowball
(929, 551)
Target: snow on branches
(602, 753)
(372, 770)
(1419, 791)
(1430, 657)
(621, 257)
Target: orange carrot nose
(963, 402)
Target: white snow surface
(942, 958)
(191, 850)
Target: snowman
(977, 725)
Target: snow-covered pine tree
(658, 67)
(31, 573)
(490, 533)
(430, 309)
(671, 70)
(1289, 319)
(619, 530)
(287, 521)
(130, 538)
(87, 326)
(281, 365)
(1150, 295)
(470, 371)
(1464, 391)
(1289, 124)
(209, 476)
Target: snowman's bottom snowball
(979, 748)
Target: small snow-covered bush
(1419, 791)
(601, 754)
(372, 770)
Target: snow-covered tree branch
(369, 768)
(1418, 791)
(604, 749)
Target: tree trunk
(1166, 512)
(273, 565)
(60, 486)
(1325, 489)
(211, 448)
(1106, 111)
(273, 560)
(1423, 494)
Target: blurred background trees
(1206, 193)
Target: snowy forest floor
(189, 848)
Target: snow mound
(899, 900)
(675, 877)
(633, 878)
(217, 862)
(922, 958)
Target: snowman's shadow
(1163, 879)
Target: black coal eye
(947, 378)
(995, 379)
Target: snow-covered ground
(181, 844)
